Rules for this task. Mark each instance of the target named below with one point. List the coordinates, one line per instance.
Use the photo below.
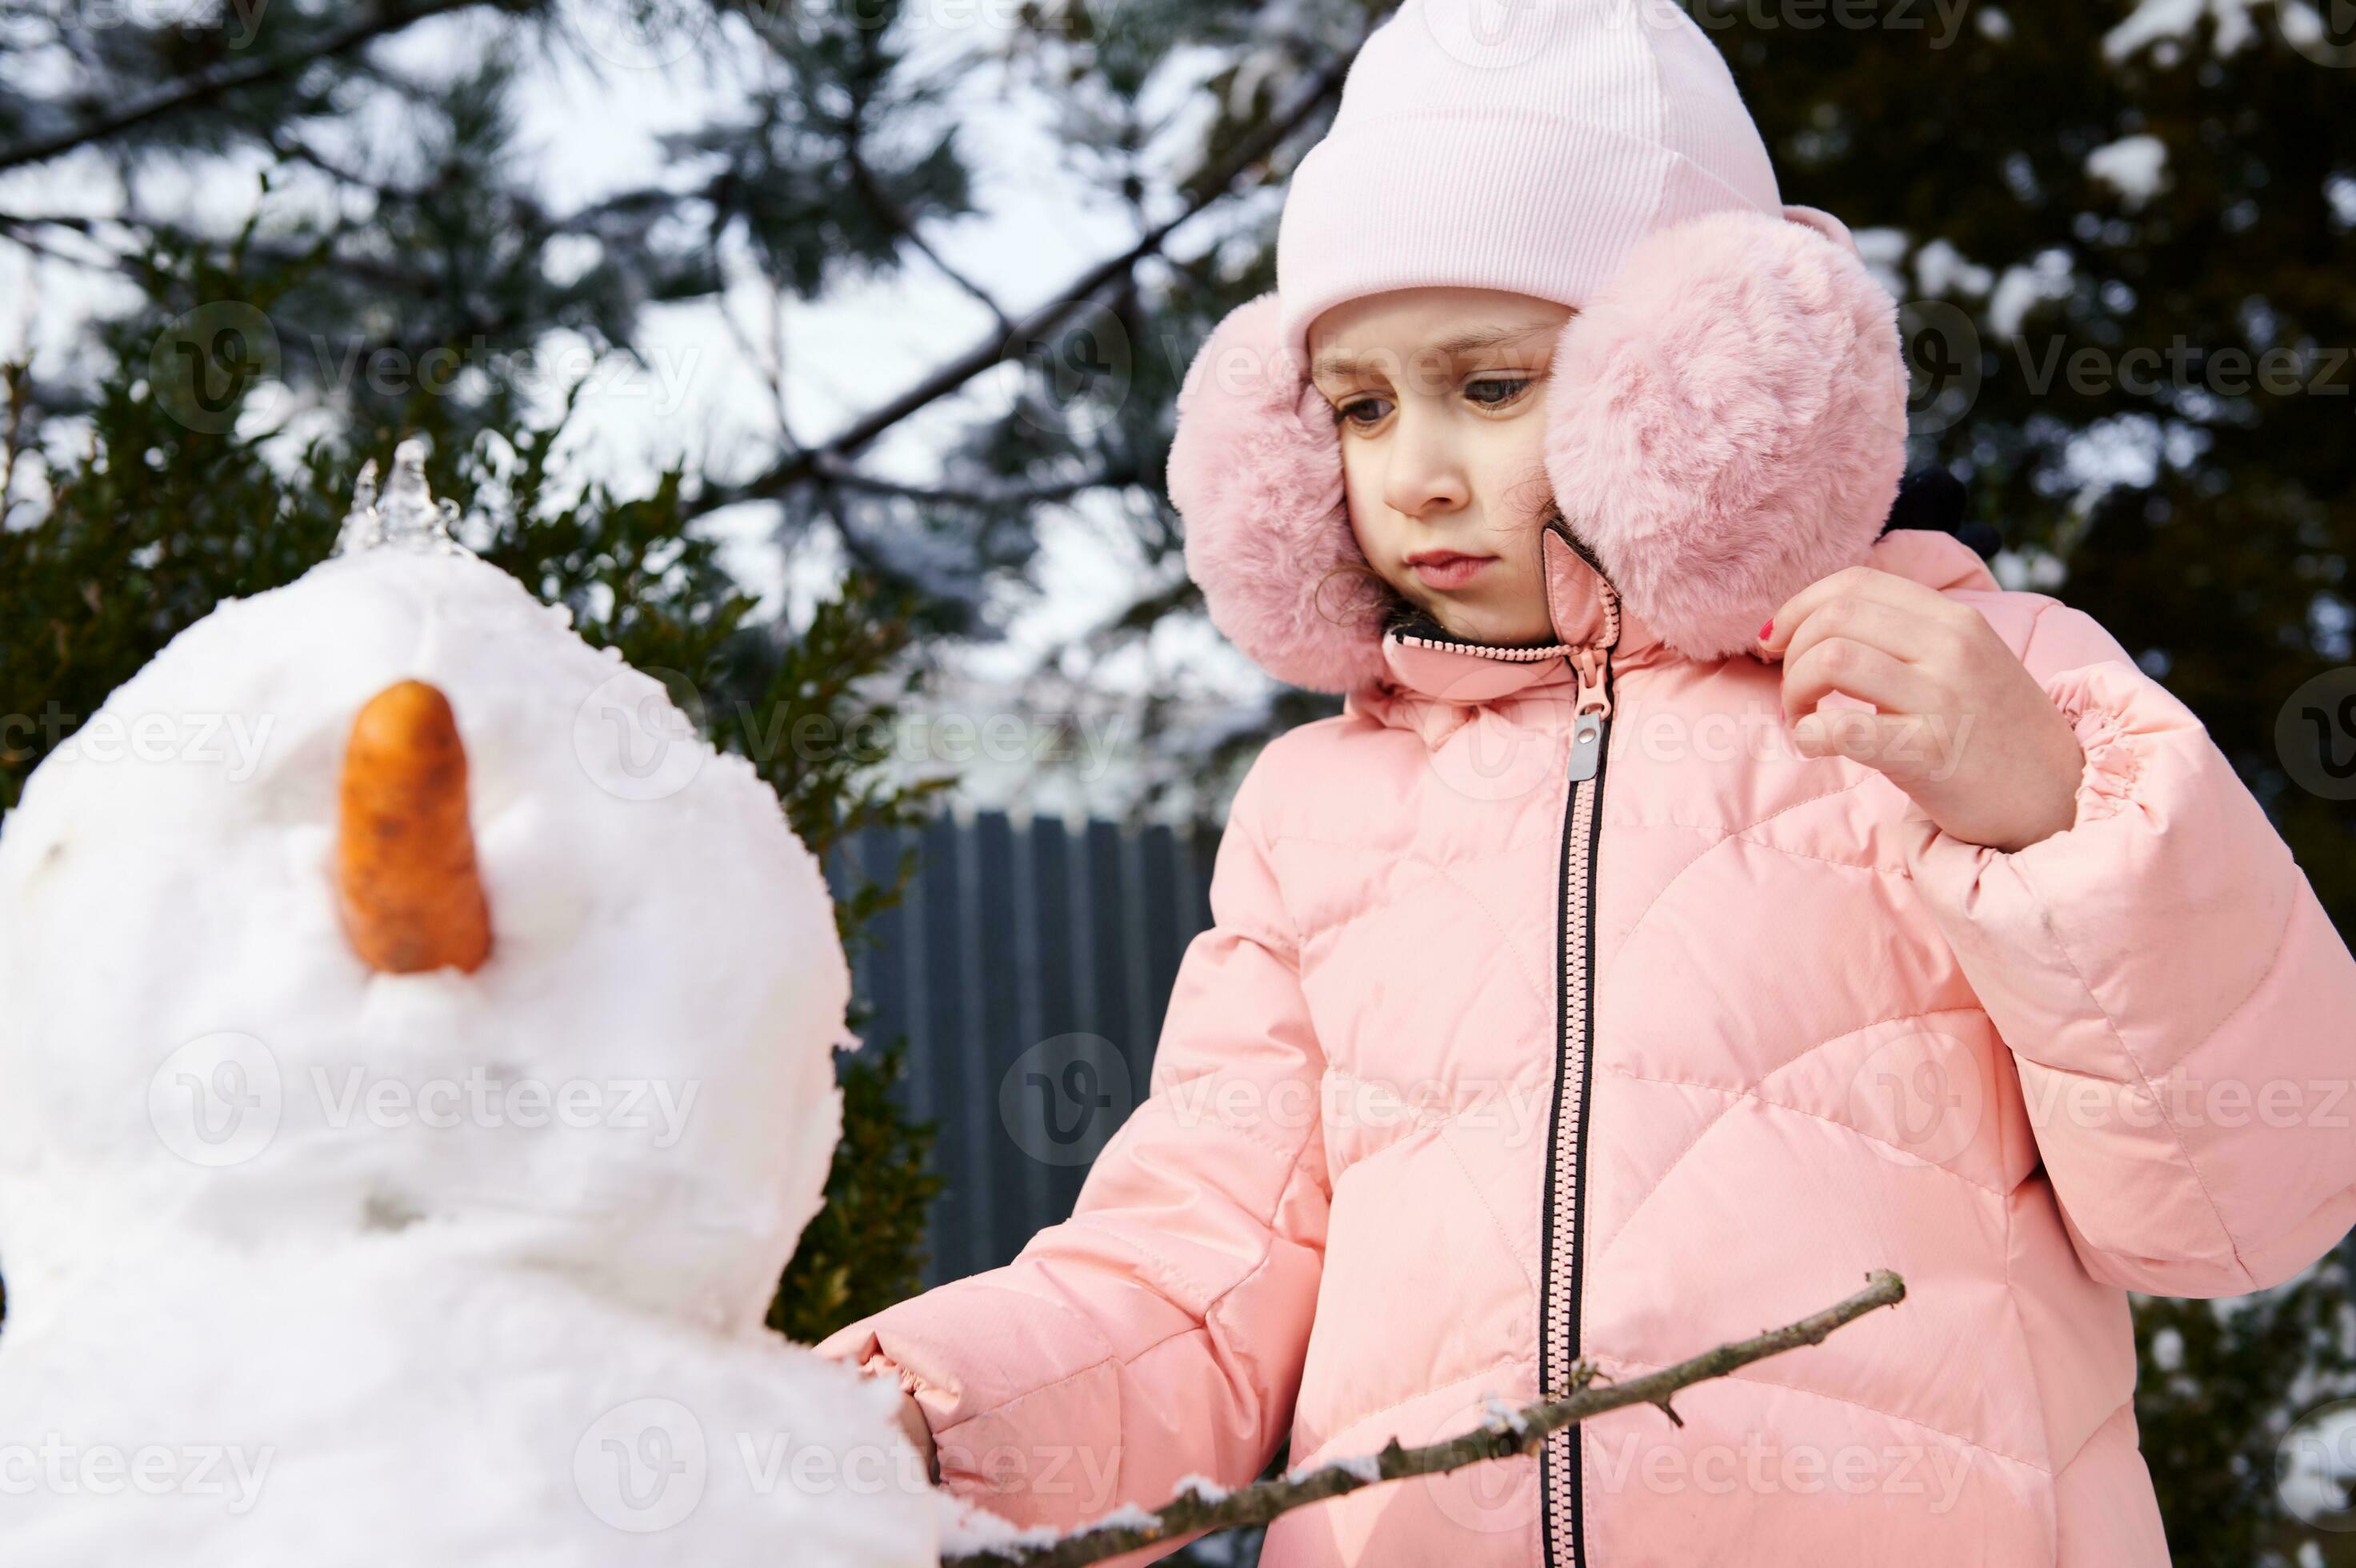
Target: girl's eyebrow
(1466, 342)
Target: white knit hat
(1516, 145)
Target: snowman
(416, 1070)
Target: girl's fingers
(1860, 583)
(1891, 744)
(1861, 670)
(1900, 631)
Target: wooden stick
(1516, 1432)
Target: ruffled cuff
(2120, 717)
(2094, 699)
(872, 1360)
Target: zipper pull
(1594, 705)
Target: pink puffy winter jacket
(1556, 1007)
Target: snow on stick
(1513, 1431)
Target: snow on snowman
(403, 1125)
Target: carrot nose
(409, 894)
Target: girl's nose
(1425, 473)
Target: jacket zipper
(1562, 1504)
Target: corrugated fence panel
(1012, 936)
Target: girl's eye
(1365, 410)
(1497, 391)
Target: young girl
(1703, 898)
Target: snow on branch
(1203, 1505)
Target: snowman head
(628, 1077)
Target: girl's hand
(920, 1432)
(1961, 725)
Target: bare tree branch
(1213, 184)
(207, 85)
(940, 265)
(294, 149)
(864, 180)
(835, 471)
(74, 221)
(1515, 1432)
(22, 233)
(770, 361)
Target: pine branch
(206, 86)
(864, 180)
(23, 232)
(73, 221)
(834, 471)
(292, 147)
(16, 383)
(808, 463)
(1515, 1432)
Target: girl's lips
(1451, 572)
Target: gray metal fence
(1014, 933)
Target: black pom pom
(1934, 499)
(1982, 537)
(1930, 499)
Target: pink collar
(1423, 669)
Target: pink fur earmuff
(1725, 423)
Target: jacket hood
(1725, 423)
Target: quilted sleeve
(2178, 1002)
(1161, 1329)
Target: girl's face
(1440, 397)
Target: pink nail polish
(1765, 629)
